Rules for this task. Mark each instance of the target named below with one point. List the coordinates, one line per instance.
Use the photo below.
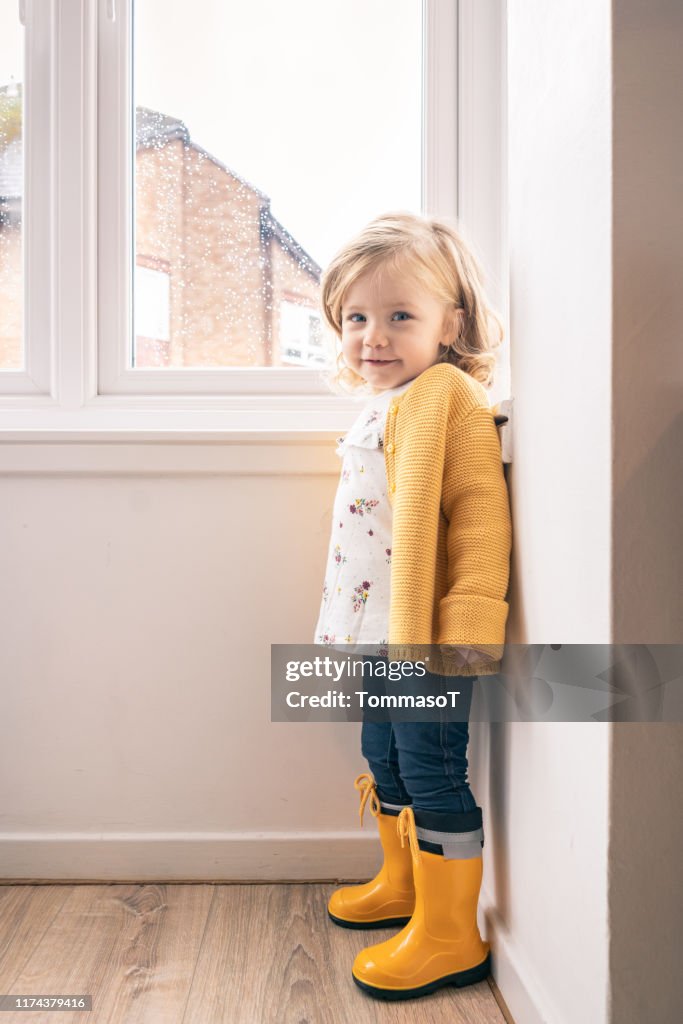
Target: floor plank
(201, 954)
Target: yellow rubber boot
(389, 898)
(441, 944)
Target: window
(152, 315)
(247, 174)
(301, 336)
(183, 183)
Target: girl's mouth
(380, 362)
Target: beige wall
(221, 318)
(646, 779)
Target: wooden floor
(200, 954)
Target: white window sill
(235, 435)
(254, 418)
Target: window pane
(11, 189)
(266, 133)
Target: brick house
(218, 280)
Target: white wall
(585, 819)
(543, 787)
(138, 609)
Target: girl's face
(391, 328)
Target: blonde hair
(435, 252)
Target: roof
(271, 226)
(154, 129)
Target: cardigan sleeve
(476, 505)
(414, 457)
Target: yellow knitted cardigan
(451, 532)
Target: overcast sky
(315, 102)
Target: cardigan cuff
(471, 620)
(439, 661)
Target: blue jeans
(422, 763)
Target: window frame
(79, 253)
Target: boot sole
(461, 978)
(387, 922)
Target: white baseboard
(523, 995)
(304, 856)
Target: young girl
(418, 568)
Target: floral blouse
(354, 609)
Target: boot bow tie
(365, 784)
(405, 826)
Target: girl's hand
(466, 655)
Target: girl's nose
(374, 336)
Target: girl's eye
(397, 313)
